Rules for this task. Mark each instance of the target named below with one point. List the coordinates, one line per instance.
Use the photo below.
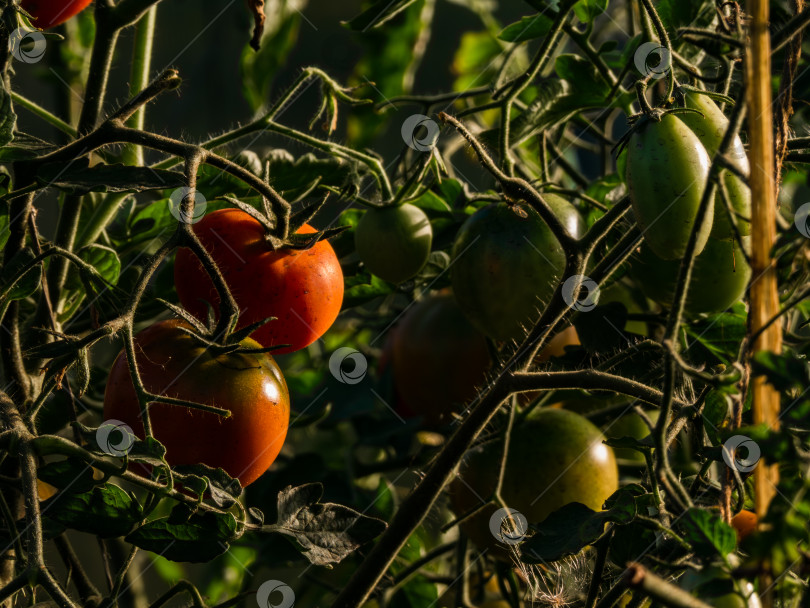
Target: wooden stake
(764, 294)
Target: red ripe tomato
(50, 13)
(439, 360)
(174, 364)
(303, 289)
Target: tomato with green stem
(555, 457)
(50, 13)
(667, 169)
(173, 363)
(394, 241)
(301, 288)
(507, 263)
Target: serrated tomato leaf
(106, 511)
(196, 538)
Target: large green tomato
(506, 265)
(710, 129)
(667, 168)
(556, 457)
(394, 242)
(719, 276)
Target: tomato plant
(302, 289)
(570, 236)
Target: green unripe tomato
(555, 457)
(667, 169)
(719, 276)
(394, 242)
(710, 129)
(507, 263)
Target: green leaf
(197, 538)
(327, 532)
(391, 56)
(574, 526)
(474, 61)
(25, 147)
(74, 178)
(677, 13)
(363, 288)
(258, 69)
(785, 372)
(583, 74)
(377, 14)
(588, 10)
(707, 532)
(432, 201)
(104, 259)
(71, 474)
(719, 334)
(106, 511)
(528, 28)
(25, 285)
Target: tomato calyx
(637, 121)
(274, 234)
(230, 342)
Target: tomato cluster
(301, 288)
(667, 170)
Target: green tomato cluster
(667, 170)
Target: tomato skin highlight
(710, 129)
(50, 13)
(555, 457)
(505, 267)
(667, 169)
(439, 360)
(302, 289)
(720, 276)
(174, 364)
(394, 242)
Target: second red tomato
(303, 289)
